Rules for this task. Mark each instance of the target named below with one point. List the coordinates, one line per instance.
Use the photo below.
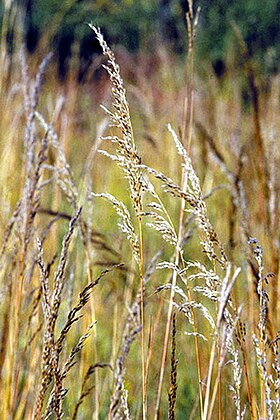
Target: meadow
(139, 259)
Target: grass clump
(90, 312)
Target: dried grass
(214, 300)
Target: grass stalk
(187, 125)
(209, 378)
(166, 336)
(42, 328)
(142, 304)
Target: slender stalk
(198, 365)
(141, 275)
(12, 377)
(192, 31)
(188, 122)
(219, 380)
(167, 331)
(262, 348)
(209, 377)
(153, 334)
(240, 337)
(262, 164)
(214, 393)
(246, 377)
(191, 104)
(169, 314)
(142, 304)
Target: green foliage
(126, 22)
(139, 24)
(258, 22)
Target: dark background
(136, 25)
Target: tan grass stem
(262, 168)
(209, 377)
(142, 286)
(170, 307)
(188, 122)
(167, 331)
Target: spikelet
(51, 304)
(86, 391)
(228, 343)
(260, 341)
(194, 198)
(56, 398)
(126, 152)
(125, 223)
(187, 306)
(160, 224)
(118, 406)
(83, 300)
(212, 246)
(172, 393)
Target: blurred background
(142, 25)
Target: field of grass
(139, 260)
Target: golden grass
(86, 311)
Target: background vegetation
(132, 306)
(142, 25)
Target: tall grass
(114, 262)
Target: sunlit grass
(223, 152)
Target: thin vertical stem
(188, 122)
(141, 274)
(169, 314)
(262, 348)
(167, 331)
(208, 387)
(240, 336)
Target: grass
(132, 282)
